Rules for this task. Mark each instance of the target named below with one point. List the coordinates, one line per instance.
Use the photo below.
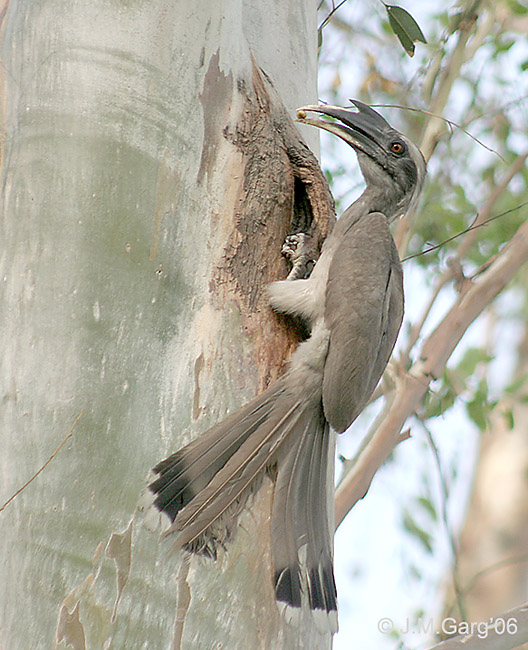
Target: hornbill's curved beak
(362, 129)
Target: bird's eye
(397, 147)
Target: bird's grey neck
(374, 199)
(387, 199)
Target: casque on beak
(362, 129)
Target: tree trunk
(150, 174)
(493, 557)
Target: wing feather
(364, 311)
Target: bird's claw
(297, 249)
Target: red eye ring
(397, 147)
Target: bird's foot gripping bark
(298, 250)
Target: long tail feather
(214, 474)
(202, 488)
(234, 478)
(185, 473)
(303, 562)
(188, 471)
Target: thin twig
(499, 110)
(492, 199)
(496, 566)
(68, 436)
(519, 559)
(431, 132)
(445, 519)
(474, 225)
(450, 123)
(332, 12)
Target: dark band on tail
(172, 490)
(288, 586)
(215, 473)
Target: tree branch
(413, 385)
(485, 214)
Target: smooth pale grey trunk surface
(115, 185)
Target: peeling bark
(120, 550)
(70, 629)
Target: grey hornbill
(353, 303)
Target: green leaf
(439, 402)
(472, 357)
(475, 410)
(518, 8)
(412, 527)
(480, 407)
(510, 420)
(516, 384)
(428, 506)
(502, 44)
(405, 27)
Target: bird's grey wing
(364, 311)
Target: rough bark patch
(282, 191)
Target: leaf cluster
(421, 506)
(464, 382)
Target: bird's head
(393, 167)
